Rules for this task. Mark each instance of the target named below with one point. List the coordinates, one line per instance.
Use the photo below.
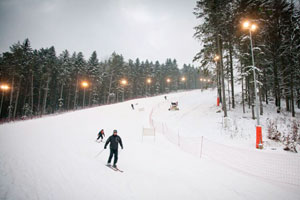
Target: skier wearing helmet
(114, 141)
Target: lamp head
(253, 27)
(246, 24)
(124, 82)
(4, 87)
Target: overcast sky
(147, 29)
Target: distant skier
(165, 97)
(114, 141)
(278, 110)
(132, 106)
(100, 135)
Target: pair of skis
(115, 168)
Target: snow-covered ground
(56, 157)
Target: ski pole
(99, 153)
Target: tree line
(40, 82)
(276, 49)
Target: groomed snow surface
(57, 158)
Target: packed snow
(56, 157)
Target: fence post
(178, 139)
(143, 134)
(201, 146)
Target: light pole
(208, 82)
(84, 84)
(252, 27)
(205, 85)
(216, 59)
(3, 87)
(148, 82)
(183, 79)
(201, 80)
(168, 83)
(123, 83)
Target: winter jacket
(114, 140)
(101, 133)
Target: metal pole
(146, 91)
(254, 78)
(99, 153)
(1, 102)
(83, 96)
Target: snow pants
(113, 152)
(100, 136)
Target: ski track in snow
(54, 157)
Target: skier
(165, 97)
(100, 135)
(132, 106)
(114, 141)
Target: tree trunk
(228, 83)
(231, 73)
(287, 101)
(61, 91)
(60, 103)
(110, 83)
(27, 87)
(75, 97)
(17, 98)
(243, 90)
(265, 86)
(298, 98)
(39, 99)
(90, 96)
(31, 92)
(292, 94)
(1, 103)
(10, 107)
(46, 94)
(248, 90)
(69, 98)
(229, 101)
(222, 75)
(260, 101)
(243, 98)
(276, 84)
(219, 76)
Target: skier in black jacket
(114, 141)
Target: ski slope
(55, 157)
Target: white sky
(147, 29)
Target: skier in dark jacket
(100, 135)
(114, 141)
